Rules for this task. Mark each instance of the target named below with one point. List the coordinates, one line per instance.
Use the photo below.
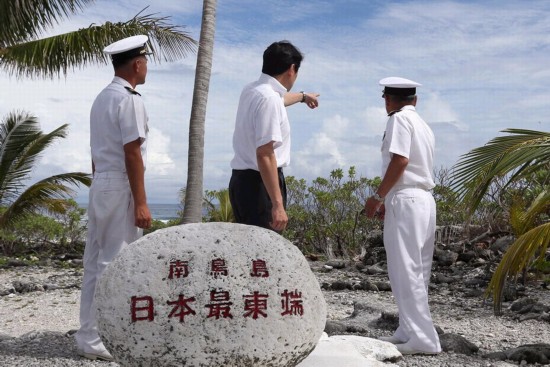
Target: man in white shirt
(405, 202)
(261, 140)
(117, 207)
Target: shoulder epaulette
(133, 91)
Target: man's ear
(136, 64)
(290, 71)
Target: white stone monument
(210, 294)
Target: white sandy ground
(57, 310)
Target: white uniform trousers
(409, 236)
(110, 228)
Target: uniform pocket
(403, 203)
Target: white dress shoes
(103, 355)
(405, 349)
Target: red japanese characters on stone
(218, 268)
(142, 308)
(292, 303)
(259, 269)
(178, 269)
(255, 304)
(181, 307)
(220, 306)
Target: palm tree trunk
(192, 212)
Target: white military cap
(397, 86)
(127, 48)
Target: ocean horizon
(162, 212)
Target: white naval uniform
(117, 117)
(409, 227)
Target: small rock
(341, 285)
(334, 327)
(26, 287)
(336, 264)
(375, 269)
(451, 342)
(367, 286)
(383, 286)
(522, 303)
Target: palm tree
(23, 53)
(22, 142)
(514, 157)
(192, 211)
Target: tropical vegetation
(22, 143)
(326, 216)
(517, 167)
(24, 54)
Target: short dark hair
(118, 63)
(279, 56)
(121, 62)
(401, 99)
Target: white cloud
(437, 111)
(159, 161)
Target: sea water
(165, 212)
(162, 212)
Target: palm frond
(523, 219)
(17, 131)
(48, 194)
(519, 255)
(53, 56)
(22, 143)
(23, 20)
(517, 155)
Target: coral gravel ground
(35, 326)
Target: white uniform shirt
(117, 117)
(261, 118)
(408, 135)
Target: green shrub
(32, 233)
(155, 225)
(218, 206)
(325, 217)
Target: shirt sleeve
(399, 132)
(267, 122)
(132, 119)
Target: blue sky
(484, 66)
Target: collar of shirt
(121, 81)
(408, 107)
(274, 83)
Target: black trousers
(249, 198)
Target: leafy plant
(449, 210)
(22, 22)
(516, 158)
(33, 233)
(218, 206)
(22, 143)
(73, 229)
(325, 218)
(155, 225)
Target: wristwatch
(303, 97)
(378, 197)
